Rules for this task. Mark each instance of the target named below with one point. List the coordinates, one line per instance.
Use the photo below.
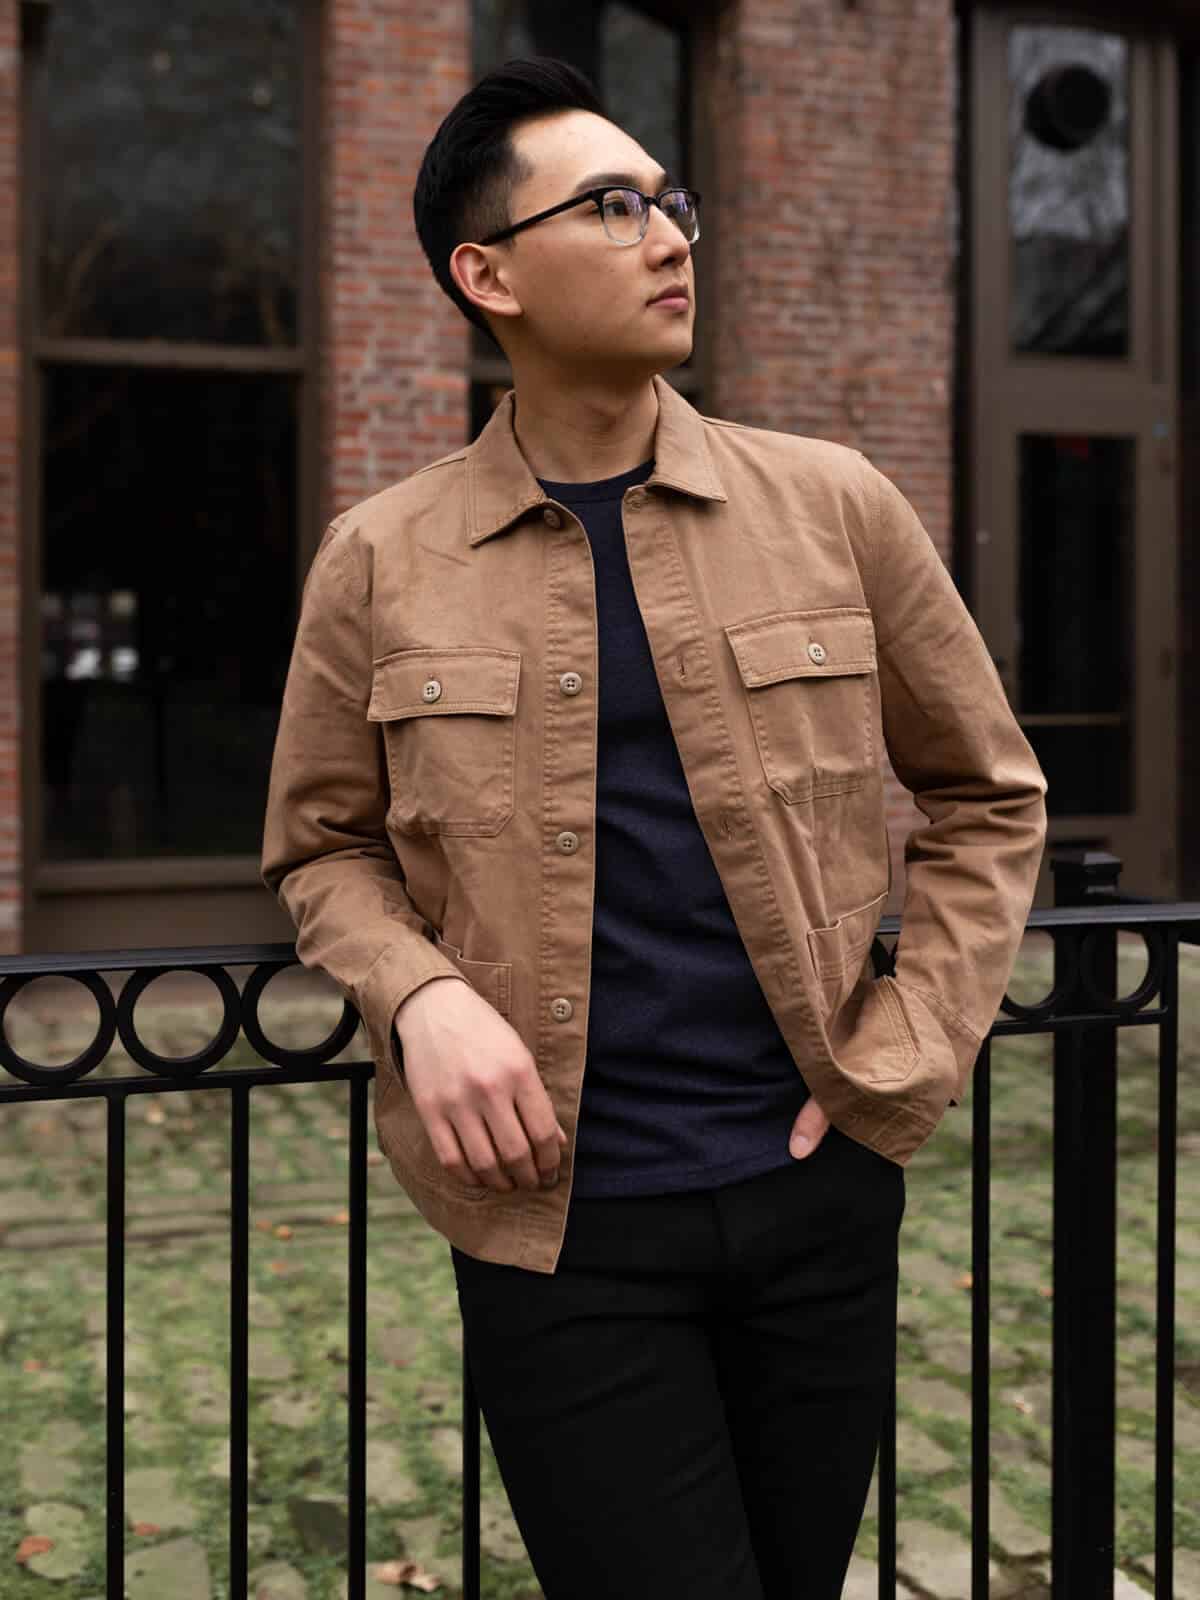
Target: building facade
(962, 239)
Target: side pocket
(491, 980)
(840, 951)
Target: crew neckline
(601, 488)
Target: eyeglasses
(625, 213)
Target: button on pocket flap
(803, 644)
(429, 682)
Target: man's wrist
(405, 1008)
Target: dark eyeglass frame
(597, 197)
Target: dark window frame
(300, 360)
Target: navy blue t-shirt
(688, 1082)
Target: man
(579, 763)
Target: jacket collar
(501, 487)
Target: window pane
(168, 579)
(1069, 191)
(643, 83)
(1076, 598)
(169, 182)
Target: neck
(581, 431)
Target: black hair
(464, 188)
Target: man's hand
(476, 1088)
(808, 1129)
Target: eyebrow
(625, 179)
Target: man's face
(585, 300)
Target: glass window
(1076, 610)
(1069, 191)
(169, 152)
(168, 564)
(167, 208)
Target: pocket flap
(467, 678)
(846, 940)
(803, 644)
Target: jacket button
(568, 842)
(551, 518)
(816, 652)
(561, 1010)
(431, 690)
(570, 683)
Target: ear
(482, 278)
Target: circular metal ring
(280, 1056)
(36, 1072)
(1127, 1004)
(179, 1066)
(1066, 960)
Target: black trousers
(691, 1404)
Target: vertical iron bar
(470, 1503)
(356, 1389)
(239, 1333)
(981, 1316)
(114, 1401)
(1083, 1471)
(1164, 1329)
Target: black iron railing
(1082, 1012)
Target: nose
(664, 240)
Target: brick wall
(394, 371)
(835, 296)
(10, 527)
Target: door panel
(1074, 418)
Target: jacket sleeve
(954, 742)
(326, 852)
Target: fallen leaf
(279, 1268)
(1022, 1405)
(1046, 1293)
(146, 1527)
(33, 1544)
(282, 1231)
(264, 1225)
(339, 1216)
(408, 1573)
(155, 1114)
(32, 1364)
(965, 1281)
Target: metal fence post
(1085, 1231)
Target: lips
(678, 292)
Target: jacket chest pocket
(449, 728)
(808, 680)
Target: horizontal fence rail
(1081, 1012)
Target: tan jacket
(432, 794)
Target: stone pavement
(176, 1397)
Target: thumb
(808, 1129)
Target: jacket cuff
(964, 1042)
(388, 983)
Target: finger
(545, 1134)
(481, 1154)
(511, 1141)
(808, 1130)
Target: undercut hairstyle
(464, 188)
